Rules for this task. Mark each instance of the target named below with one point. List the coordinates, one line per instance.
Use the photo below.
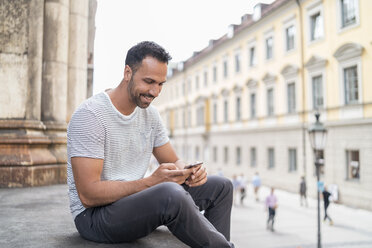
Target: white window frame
(253, 159)
(291, 21)
(238, 153)
(225, 73)
(290, 75)
(252, 85)
(292, 168)
(316, 66)
(340, 16)
(215, 72)
(252, 44)
(270, 80)
(350, 55)
(311, 82)
(312, 9)
(269, 34)
(205, 77)
(349, 163)
(269, 158)
(344, 65)
(197, 81)
(237, 55)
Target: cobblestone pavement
(39, 217)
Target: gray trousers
(175, 206)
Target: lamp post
(318, 134)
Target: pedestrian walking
(326, 200)
(242, 188)
(256, 181)
(303, 189)
(271, 204)
(235, 183)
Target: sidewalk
(39, 217)
(296, 226)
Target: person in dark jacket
(326, 196)
(303, 189)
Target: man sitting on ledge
(111, 137)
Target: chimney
(257, 9)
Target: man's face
(146, 83)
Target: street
(296, 226)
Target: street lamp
(317, 134)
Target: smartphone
(193, 165)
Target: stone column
(91, 35)
(77, 57)
(23, 145)
(55, 59)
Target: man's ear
(127, 73)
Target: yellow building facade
(244, 103)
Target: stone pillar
(24, 153)
(77, 57)
(55, 59)
(42, 55)
(91, 35)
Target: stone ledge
(30, 176)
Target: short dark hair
(143, 49)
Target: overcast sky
(181, 27)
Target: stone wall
(43, 76)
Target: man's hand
(198, 176)
(169, 172)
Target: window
(237, 62)
(253, 157)
(269, 47)
(215, 113)
(189, 118)
(317, 89)
(197, 82)
(226, 154)
(271, 158)
(290, 38)
(214, 73)
(352, 165)
(349, 57)
(215, 154)
(183, 88)
(316, 26)
(291, 94)
(200, 116)
(292, 160)
(270, 102)
(348, 12)
(252, 56)
(226, 111)
(225, 68)
(205, 78)
(183, 118)
(238, 156)
(351, 85)
(253, 105)
(189, 85)
(197, 153)
(238, 107)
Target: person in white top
(110, 139)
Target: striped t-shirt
(125, 143)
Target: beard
(137, 98)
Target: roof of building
(246, 22)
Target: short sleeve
(85, 135)
(161, 136)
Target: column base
(29, 176)
(32, 153)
